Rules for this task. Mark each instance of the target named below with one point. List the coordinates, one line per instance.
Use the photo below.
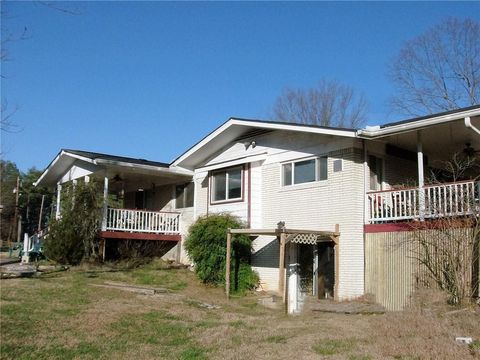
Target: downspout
(468, 124)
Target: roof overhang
(65, 160)
(375, 132)
(234, 128)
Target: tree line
(23, 202)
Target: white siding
(78, 170)
(339, 200)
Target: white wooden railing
(449, 199)
(142, 221)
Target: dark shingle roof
(430, 116)
(95, 155)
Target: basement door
(311, 273)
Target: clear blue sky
(149, 79)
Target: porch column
(59, 194)
(227, 264)
(366, 184)
(105, 202)
(421, 180)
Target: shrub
(73, 237)
(206, 247)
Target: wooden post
(281, 267)
(227, 264)
(104, 247)
(337, 262)
(41, 213)
(15, 216)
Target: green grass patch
(277, 339)
(193, 353)
(332, 347)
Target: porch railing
(449, 199)
(142, 221)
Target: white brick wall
(321, 205)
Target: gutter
(377, 132)
(468, 124)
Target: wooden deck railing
(449, 199)
(142, 221)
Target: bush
(72, 238)
(206, 246)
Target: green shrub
(206, 246)
(72, 238)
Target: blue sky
(149, 79)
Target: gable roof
(67, 157)
(234, 129)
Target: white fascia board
(237, 161)
(170, 170)
(201, 143)
(295, 127)
(415, 125)
(83, 158)
(263, 125)
(45, 172)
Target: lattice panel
(310, 239)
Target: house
(338, 195)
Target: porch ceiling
(132, 179)
(439, 142)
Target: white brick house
(311, 178)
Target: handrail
(425, 186)
(142, 221)
(162, 211)
(433, 201)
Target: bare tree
(438, 70)
(330, 103)
(447, 247)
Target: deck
(432, 202)
(141, 225)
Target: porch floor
(124, 235)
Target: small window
(337, 165)
(305, 171)
(184, 196)
(227, 184)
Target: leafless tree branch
(438, 70)
(330, 103)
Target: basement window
(305, 171)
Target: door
(326, 270)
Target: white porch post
(59, 194)
(105, 202)
(366, 184)
(421, 180)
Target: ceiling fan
(469, 150)
(117, 178)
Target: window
(184, 195)
(227, 184)
(337, 165)
(305, 171)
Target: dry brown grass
(65, 317)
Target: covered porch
(138, 195)
(423, 169)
